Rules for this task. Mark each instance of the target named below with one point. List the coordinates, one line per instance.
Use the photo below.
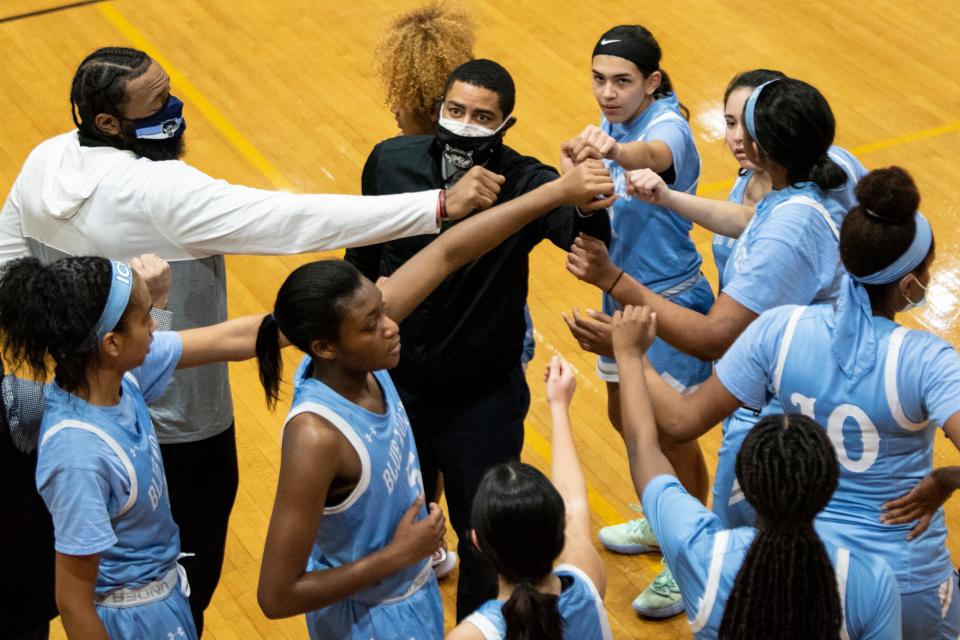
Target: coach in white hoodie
(115, 187)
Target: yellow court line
(196, 99)
(907, 138)
(598, 504)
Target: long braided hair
(99, 85)
(786, 587)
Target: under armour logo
(133, 452)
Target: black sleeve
(562, 225)
(367, 259)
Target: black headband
(611, 44)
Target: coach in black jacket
(459, 375)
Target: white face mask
(922, 302)
(469, 130)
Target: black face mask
(459, 153)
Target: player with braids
(416, 55)
(778, 580)
(99, 468)
(788, 471)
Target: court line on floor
(55, 9)
(711, 188)
(195, 98)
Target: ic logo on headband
(123, 271)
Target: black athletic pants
(463, 435)
(202, 477)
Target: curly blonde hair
(419, 51)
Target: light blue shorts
(165, 619)
(933, 614)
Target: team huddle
(826, 518)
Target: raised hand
(156, 273)
(476, 190)
(589, 261)
(648, 186)
(415, 539)
(561, 382)
(634, 330)
(592, 332)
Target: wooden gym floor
(283, 95)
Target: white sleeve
(12, 244)
(205, 215)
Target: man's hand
(587, 186)
(634, 330)
(156, 273)
(477, 190)
(589, 261)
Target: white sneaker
(444, 561)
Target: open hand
(920, 505)
(634, 330)
(476, 190)
(592, 332)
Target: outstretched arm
(230, 341)
(705, 336)
(473, 237)
(593, 142)
(634, 329)
(567, 476)
(720, 216)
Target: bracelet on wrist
(442, 207)
(615, 281)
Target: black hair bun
(888, 195)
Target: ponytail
(827, 174)
(665, 89)
(532, 615)
(269, 360)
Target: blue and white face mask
(166, 124)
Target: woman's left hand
(920, 504)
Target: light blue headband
(910, 260)
(121, 284)
(748, 117)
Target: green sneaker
(661, 599)
(631, 537)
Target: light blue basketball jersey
(705, 558)
(101, 474)
(882, 426)
(580, 605)
(407, 604)
(653, 244)
(722, 245)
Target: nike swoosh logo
(603, 42)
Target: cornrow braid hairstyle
(99, 85)
(51, 311)
(786, 587)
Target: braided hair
(786, 587)
(51, 311)
(99, 86)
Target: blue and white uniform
(789, 253)
(882, 417)
(705, 558)
(100, 473)
(580, 605)
(653, 244)
(406, 605)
